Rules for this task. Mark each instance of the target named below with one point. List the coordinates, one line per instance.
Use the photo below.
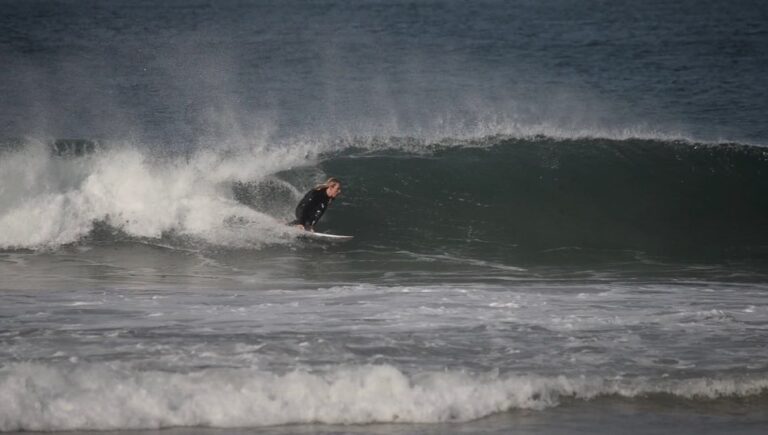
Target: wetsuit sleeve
(317, 211)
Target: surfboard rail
(319, 235)
(326, 236)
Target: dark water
(560, 214)
(531, 195)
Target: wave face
(654, 196)
(109, 396)
(496, 196)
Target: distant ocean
(559, 211)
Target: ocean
(559, 211)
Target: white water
(212, 352)
(54, 200)
(113, 396)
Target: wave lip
(108, 396)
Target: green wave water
(520, 195)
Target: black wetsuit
(311, 208)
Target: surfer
(314, 203)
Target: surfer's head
(332, 187)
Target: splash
(56, 200)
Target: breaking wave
(60, 196)
(494, 194)
(108, 396)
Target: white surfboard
(326, 236)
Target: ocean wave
(533, 194)
(543, 193)
(82, 396)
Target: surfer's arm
(315, 214)
(310, 209)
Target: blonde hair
(328, 183)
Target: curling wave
(495, 195)
(536, 194)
